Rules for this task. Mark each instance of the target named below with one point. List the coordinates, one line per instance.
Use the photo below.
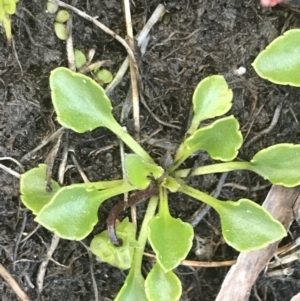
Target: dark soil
(195, 39)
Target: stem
(113, 191)
(131, 143)
(214, 168)
(201, 196)
(179, 158)
(163, 202)
(102, 184)
(138, 253)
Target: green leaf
(52, 7)
(80, 103)
(172, 184)
(211, 98)
(9, 6)
(279, 163)
(104, 76)
(72, 212)
(247, 226)
(162, 286)
(139, 172)
(280, 61)
(33, 188)
(80, 58)
(133, 288)
(120, 257)
(222, 140)
(171, 239)
(62, 16)
(60, 31)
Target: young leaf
(280, 61)
(171, 184)
(211, 98)
(104, 76)
(162, 286)
(60, 31)
(80, 58)
(52, 7)
(171, 239)
(33, 188)
(80, 103)
(7, 8)
(280, 164)
(140, 172)
(133, 288)
(120, 257)
(247, 226)
(222, 140)
(72, 212)
(62, 16)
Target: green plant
(7, 8)
(71, 211)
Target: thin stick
(45, 142)
(9, 170)
(13, 160)
(96, 292)
(133, 70)
(19, 239)
(69, 45)
(13, 283)
(268, 129)
(44, 264)
(201, 264)
(203, 210)
(98, 24)
(80, 170)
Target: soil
(195, 39)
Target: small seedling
(102, 76)
(71, 211)
(7, 8)
(61, 18)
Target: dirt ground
(195, 39)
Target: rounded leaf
(222, 140)
(9, 6)
(33, 188)
(62, 16)
(72, 212)
(171, 239)
(52, 7)
(139, 172)
(133, 288)
(162, 286)
(247, 226)
(211, 98)
(280, 164)
(80, 103)
(104, 76)
(80, 58)
(60, 31)
(280, 61)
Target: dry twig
(133, 70)
(13, 283)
